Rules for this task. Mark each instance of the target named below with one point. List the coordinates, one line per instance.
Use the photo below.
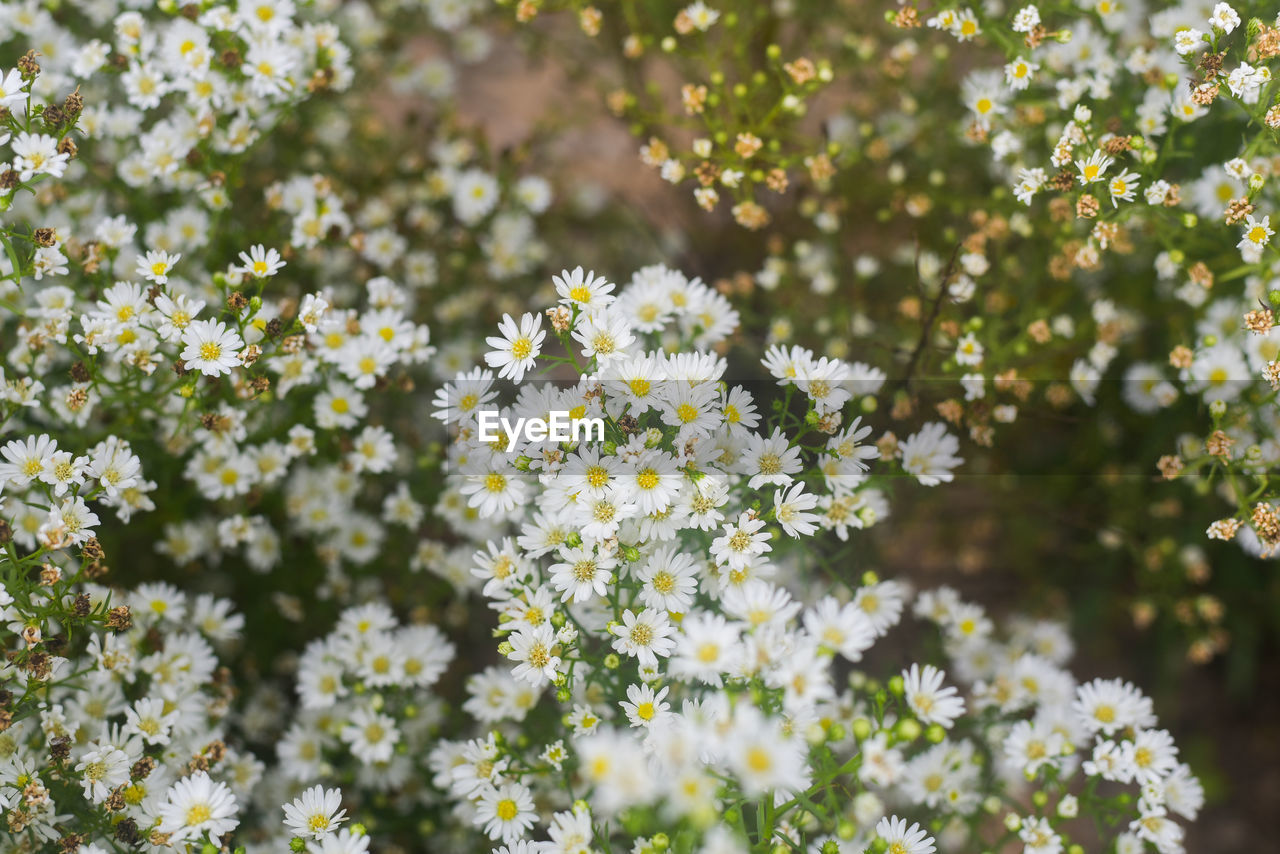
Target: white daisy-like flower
(260, 262)
(211, 348)
(316, 812)
(516, 349)
(156, 265)
(925, 694)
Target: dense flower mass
(845, 438)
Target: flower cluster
(333, 519)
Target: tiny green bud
(668, 44)
(612, 662)
(660, 842)
(740, 90)
(505, 648)
(1012, 822)
(896, 685)
(1040, 798)
(296, 844)
(630, 554)
(861, 729)
(935, 734)
(773, 51)
(908, 729)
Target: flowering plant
(292, 556)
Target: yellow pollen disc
(198, 814)
(758, 760)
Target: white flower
(505, 813)
(155, 266)
(371, 735)
(315, 813)
(532, 648)
(902, 839)
(586, 290)
(12, 92)
(260, 262)
(791, 510)
(930, 454)
(517, 349)
(102, 770)
(644, 636)
(1185, 41)
(1224, 18)
(925, 694)
(475, 194)
(195, 806)
(701, 16)
(37, 154)
(147, 718)
(1039, 836)
(1026, 20)
(211, 347)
